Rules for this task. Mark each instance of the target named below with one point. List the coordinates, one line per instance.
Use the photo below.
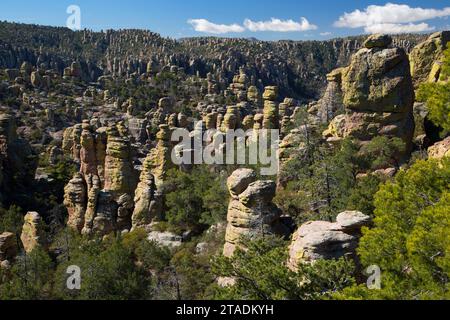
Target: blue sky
(262, 19)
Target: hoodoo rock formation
(378, 95)
(251, 212)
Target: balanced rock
(319, 240)
(271, 111)
(251, 212)
(378, 97)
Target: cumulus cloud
(391, 18)
(398, 28)
(203, 25)
(279, 25)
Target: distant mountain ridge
(297, 67)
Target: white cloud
(279, 25)
(203, 25)
(398, 28)
(324, 34)
(391, 18)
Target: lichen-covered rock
(231, 120)
(318, 240)
(248, 123)
(210, 120)
(251, 212)
(88, 150)
(36, 79)
(378, 41)
(379, 81)
(254, 96)
(33, 232)
(378, 97)
(270, 93)
(271, 110)
(425, 57)
(120, 176)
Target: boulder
(317, 240)
(378, 41)
(240, 180)
(440, 150)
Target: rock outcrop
(160, 156)
(318, 240)
(426, 58)
(251, 212)
(332, 101)
(8, 248)
(440, 149)
(378, 96)
(148, 203)
(99, 198)
(33, 232)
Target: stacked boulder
(160, 156)
(254, 96)
(332, 101)
(318, 240)
(271, 112)
(147, 200)
(251, 212)
(378, 95)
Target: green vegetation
(196, 199)
(410, 240)
(260, 273)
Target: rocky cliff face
(378, 95)
(17, 160)
(251, 212)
